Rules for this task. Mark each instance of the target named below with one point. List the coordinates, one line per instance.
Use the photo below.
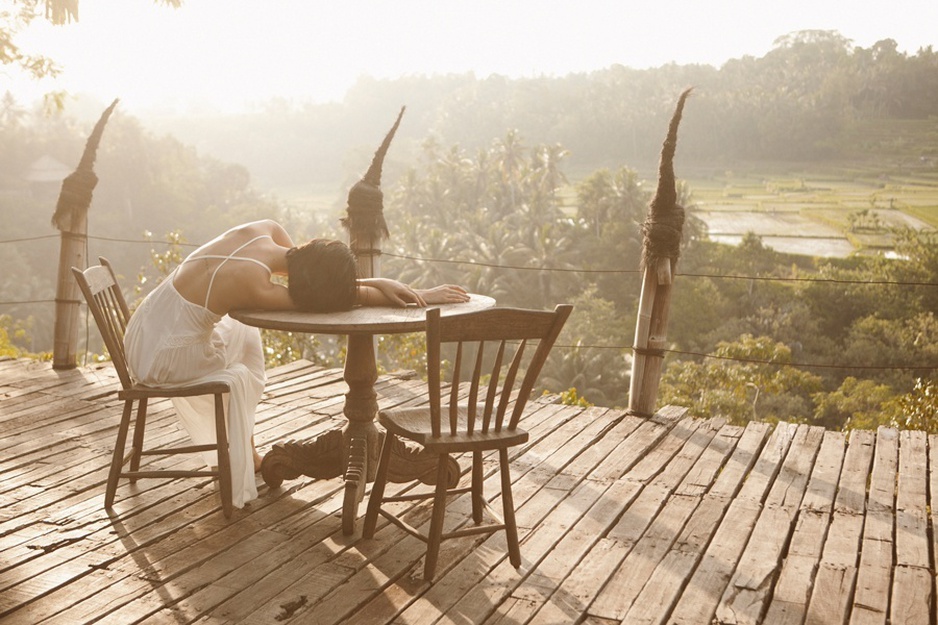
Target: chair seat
(414, 424)
(139, 391)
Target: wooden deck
(667, 520)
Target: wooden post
(651, 338)
(367, 249)
(72, 253)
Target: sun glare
(230, 54)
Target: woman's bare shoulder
(263, 227)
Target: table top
(361, 320)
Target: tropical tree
(857, 404)
(749, 379)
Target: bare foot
(257, 461)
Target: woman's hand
(444, 294)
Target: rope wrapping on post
(644, 351)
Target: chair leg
(139, 429)
(117, 461)
(508, 508)
(435, 536)
(224, 462)
(478, 497)
(377, 489)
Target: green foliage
(814, 96)
(403, 352)
(885, 331)
(13, 20)
(857, 404)
(161, 263)
(495, 223)
(590, 354)
(281, 348)
(7, 349)
(570, 397)
(917, 409)
(747, 379)
(16, 338)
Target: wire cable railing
(838, 281)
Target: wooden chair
(111, 314)
(479, 424)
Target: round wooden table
(352, 451)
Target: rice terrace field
(832, 214)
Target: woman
(182, 333)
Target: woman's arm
(267, 295)
(387, 292)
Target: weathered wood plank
(706, 586)
(565, 596)
(790, 597)
(871, 598)
(933, 508)
(657, 596)
(665, 514)
(655, 519)
(91, 529)
(836, 575)
(388, 546)
(911, 600)
(661, 592)
(615, 496)
(751, 586)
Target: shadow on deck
(667, 520)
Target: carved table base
(322, 457)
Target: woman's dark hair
(321, 276)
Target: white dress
(169, 340)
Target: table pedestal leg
(361, 435)
(353, 450)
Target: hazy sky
(231, 53)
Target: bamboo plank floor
(622, 520)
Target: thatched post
(365, 220)
(661, 247)
(71, 218)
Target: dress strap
(220, 257)
(231, 256)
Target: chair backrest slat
(513, 329)
(433, 373)
(493, 389)
(473, 400)
(454, 391)
(509, 385)
(111, 314)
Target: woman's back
(224, 273)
